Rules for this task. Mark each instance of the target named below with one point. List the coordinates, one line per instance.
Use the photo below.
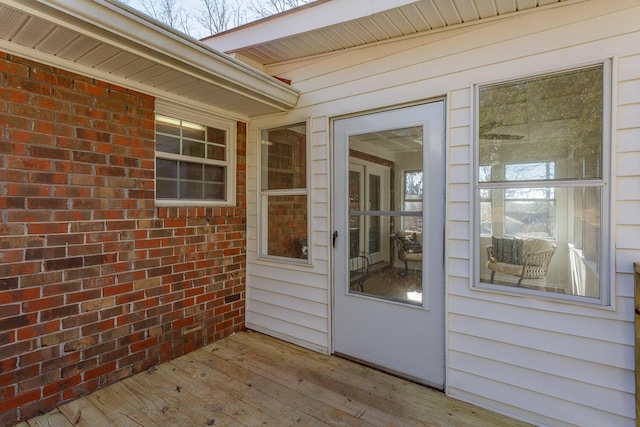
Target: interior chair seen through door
(523, 258)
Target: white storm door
(391, 314)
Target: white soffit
(331, 25)
(110, 41)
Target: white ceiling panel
(506, 6)
(57, 38)
(432, 15)
(396, 21)
(448, 11)
(415, 18)
(487, 9)
(468, 10)
(10, 21)
(97, 56)
(388, 22)
(77, 48)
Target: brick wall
(96, 283)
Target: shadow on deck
(251, 379)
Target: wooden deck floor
(250, 379)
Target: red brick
(80, 389)
(38, 330)
(20, 400)
(17, 321)
(58, 386)
(42, 303)
(101, 370)
(19, 295)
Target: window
(284, 195)
(541, 183)
(412, 199)
(194, 162)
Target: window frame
(606, 297)
(193, 114)
(263, 198)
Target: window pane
(167, 144)
(193, 131)
(166, 168)
(529, 171)
(193, 148)
(413, 185)
(214, 173)
(529, 218)
(167, 125)
(284, 158)
(217, 136)
(166, 189)
(216, 152)
(191, 171)
(213, 191)
(191, 190)
(570, 222)
(548, 120)
(286, 225)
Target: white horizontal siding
(288, 299)
(545, 361)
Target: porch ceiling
(331, 25)
(113, 42)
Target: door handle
(335, 236)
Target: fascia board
(313, 16)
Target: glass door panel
(386, 261)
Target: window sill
(194, 203)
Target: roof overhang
(110, 41)
(326, 26)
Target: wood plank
(307, 411)
(376, 397)
(244, 389)
(180, 406)
(426, 402)
(250, 379)
(226, 398)
(136, 405)
(82, 413)
(54, 418)
(311, 385)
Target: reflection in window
(283, 183)
(541, 182)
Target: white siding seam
(532, 403)
(630, 389)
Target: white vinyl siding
(285, 299)
(548, 362)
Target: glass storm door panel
(388, 256)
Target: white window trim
(607, 298)
(193, 114)
(262, 207)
